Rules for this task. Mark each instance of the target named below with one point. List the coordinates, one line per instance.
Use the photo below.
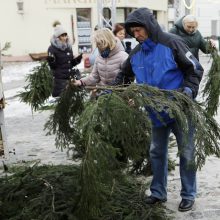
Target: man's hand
(188, 92)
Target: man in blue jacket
(164, 61)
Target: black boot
(185, 205)
(153, 200)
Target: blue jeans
(159, 161)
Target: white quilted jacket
(106, 69)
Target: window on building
(84, 29)
(128, 11)
(107, 16)
(120, 15)
(155, 14)
(170, 3)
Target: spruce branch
(39, 86)
(211, 91)
(112, 114)
(63, 121)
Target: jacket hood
(143, 17)
(179, 25)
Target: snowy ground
(26, 141)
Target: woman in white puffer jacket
(109, 61)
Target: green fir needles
(211, 91)
(67, 111)
(39, 87)
(53, 193)
(108, 134)
(114, 120)
(117, 124)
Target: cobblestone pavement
(26, 138)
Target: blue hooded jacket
(163, 60)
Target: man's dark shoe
(185, 205)
(153, 200)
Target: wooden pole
(3, 152)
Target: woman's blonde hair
(104, 38)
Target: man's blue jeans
(159, 161)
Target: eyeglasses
(63, 35)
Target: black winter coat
(62, 62)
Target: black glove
(75, 74)
(104, 92)
(187, 91)
(78, 59)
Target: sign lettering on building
(93, 3)
(75, 1)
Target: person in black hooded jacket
(164, 61)
(61, 59)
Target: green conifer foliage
(53, 193)
(118, 122)
(67, 111)
(113, 120)
(39, 87)
(211, 91)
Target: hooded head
(143, 17)
(190, 24)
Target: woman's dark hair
(118, 27)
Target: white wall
(31, 31)
(206, 11)
(28, 32)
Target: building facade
(208, 14)
(27, 24)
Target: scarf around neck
(55, 41)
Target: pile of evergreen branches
(109, 133)
(102, 129)
(54, 193)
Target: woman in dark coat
(61, 59)
(186, 28)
